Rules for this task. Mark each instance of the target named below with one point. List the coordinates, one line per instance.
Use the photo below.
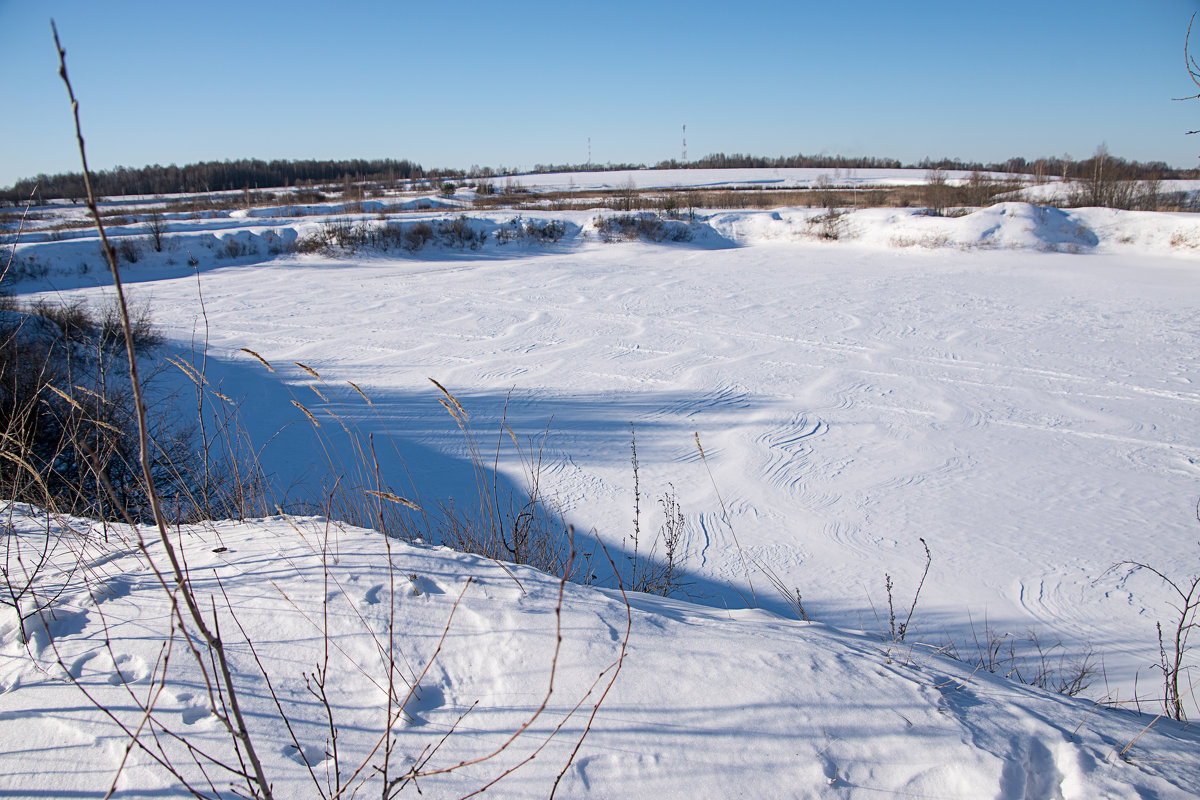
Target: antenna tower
(684, 144)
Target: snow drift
(708, 703)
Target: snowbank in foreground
(708, 703)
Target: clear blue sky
(517, 83)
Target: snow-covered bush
(645, 225)
(521, 229)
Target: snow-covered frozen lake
(1032, 415)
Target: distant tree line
(740, 161)
(1053, 167)
(215, 176)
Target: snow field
(1018, 387)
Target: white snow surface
(708, 702)
(1017, 387)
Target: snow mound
(1005, 225)
(707, 703)
(1011, 225)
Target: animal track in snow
(306, 755)
(424, 698)
(127, 669)
(195, 709)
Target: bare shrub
(1111, 182)
(645, 225)
(24, 267)
(275, 243)
(459, 232)
(129, 249)
(416, 236)
(1174, 644)
(74, 319)
(670, 205)
(830, 226)
(67, 427)
(236, 247)
(1027, 659)
(981, 190)
(627, 195)
(341, 235)
(141, 324)
(824, 192)
(653, 572)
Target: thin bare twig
(725, 516)
(239, 731)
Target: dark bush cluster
(646, 225)
(67, 416)
(519, 229)
(129, 249)
(235, 247)
(343, 235)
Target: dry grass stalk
(394, 499)
(453, 400)
(309, 370)
(261, 360)
(361, 392)
(307, 413)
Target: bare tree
(1099, 182)
(936, 191)
(157, 227)
(627, 194)
(824, 189)
(1193, 67)
(981, 189)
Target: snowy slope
(708, 703)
